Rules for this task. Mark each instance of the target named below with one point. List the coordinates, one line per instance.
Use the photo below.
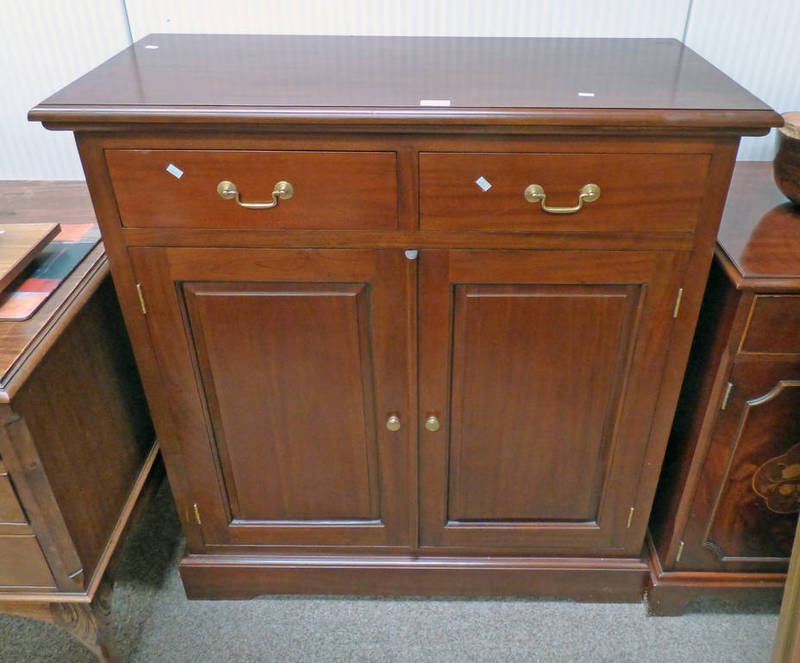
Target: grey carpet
(153, 621)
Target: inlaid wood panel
(536, 376)
(288, 375)
(750, 518)
(282, 367)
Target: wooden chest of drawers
(409, 321)
(727, 502)
(76, 441)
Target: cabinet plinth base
(669, 593)
(584, 579)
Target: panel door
(282, 367)
(542, 369)
(747, 498)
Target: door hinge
(677, 303)
(630, 517)
(680, 552)
(727, 395)
(197, 514)
(141, 298)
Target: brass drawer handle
(281, 191)
(534, 193)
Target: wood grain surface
(19, 244)
(647, 192)
(332, 190)
(409, 80)
(35, 202)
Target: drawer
(178, 188)
(485, 191)
(10, 509)
(23, 564)
(774, 325)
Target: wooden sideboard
(76, 441)
(393, 340)
(727, 502)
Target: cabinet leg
(88, 623)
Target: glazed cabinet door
(745, 506)
(283, 368)
(539, 374)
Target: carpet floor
(154, 622)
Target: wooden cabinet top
(24, 343)
(759, 238)
(522, 83)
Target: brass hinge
(630, 517)
(197, 514)
(677, 303)
(680, 552)
(727, 395)
(141, 298)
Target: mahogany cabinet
(408, 322)
(727, 502)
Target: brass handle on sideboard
(281, 191)
(534, 193)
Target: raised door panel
(746, 503)
(290, 366)
(539, 366)
(285, 366)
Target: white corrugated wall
(45, 44)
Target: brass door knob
(432, 424)
(393, 423)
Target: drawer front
(485, 191)
(774, 325)
(23, 564)
(331, 190)
(10, 510)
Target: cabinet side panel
(677, 481)
(86, 412)
(287, 373)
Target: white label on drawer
(483, 183)
(585, 94)
(434, 102)
(172, 169)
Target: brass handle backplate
(281, 191)
(534, 193)
(432, 424)
(393, 423)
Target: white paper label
(172, 169)
(585, 94)
(434, 102)
(483, 183)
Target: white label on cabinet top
(172, 169)
(483, 183)
(434, 102)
